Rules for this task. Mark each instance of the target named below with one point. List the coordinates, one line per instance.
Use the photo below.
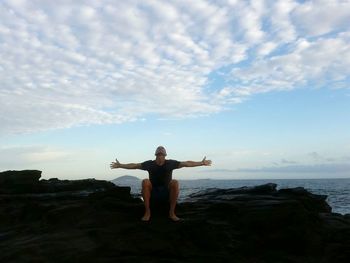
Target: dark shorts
(160, 193)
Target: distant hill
(126, 180)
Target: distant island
(126, 179)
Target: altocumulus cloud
(94, 62)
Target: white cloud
(320, 63)
(322, 17)
(73, 63)
(266, 48)
(281, 25)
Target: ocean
(337, 190)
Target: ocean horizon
(336, 189)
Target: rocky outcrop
(248, 224)
(55, 185)
(27, 182)
(19, 177)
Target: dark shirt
(160, 175)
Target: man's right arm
(117, 164)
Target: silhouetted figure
(160, 184)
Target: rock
(120, 192)
(19, 181)
(54, 185)
(310, 201)
(247, 224)
(27, 181)
(19, 177)
(132, 181)
(226, 194)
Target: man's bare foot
(146, 217)
(174, 217)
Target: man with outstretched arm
(160, 183)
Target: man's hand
(206, 162)
(115, 164)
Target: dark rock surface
(248, 224)
(27, 181)
(20, 177)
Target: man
(160, 183)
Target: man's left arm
(204, 162)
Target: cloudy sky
(259, 87)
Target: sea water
(337, 190)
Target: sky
(261, 88)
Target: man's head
(160, 151)
(160, 155)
